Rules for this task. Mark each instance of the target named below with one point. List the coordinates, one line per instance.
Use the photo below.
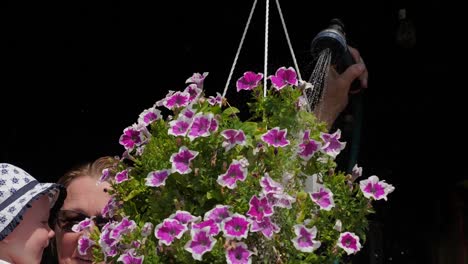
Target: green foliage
(199, 191)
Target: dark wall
(76, 74)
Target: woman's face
(27, 241)
(85, 197)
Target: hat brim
(13, 214)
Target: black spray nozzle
(334, 39)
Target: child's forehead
(41, 206)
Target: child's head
(24, 213)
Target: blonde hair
(91, 169)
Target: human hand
(335, 97)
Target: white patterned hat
(18, 190)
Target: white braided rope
(289, 41)
(265, 71)
(239, 49)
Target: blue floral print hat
(18, 190)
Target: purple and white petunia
(304, 240)
(84, 243)
(146, 229)
(157, 178)
(218, 100)
(200, 126)
(236, 172)
(179, 127)
(200, 243)
(236, 226)
(239, 254)
(323, 198)
(132, 136)
(121, 176)
(184, 217)
(376, 189)
(211, 224)
(267, 227)
(259, 208)
(276, 137)
(86, 224)
(308, 147)
(181, 160)
(269, 185)
(284, 77)
(169, 230)
(193, 91)
(249, 81)
(108, 244)
(106, 174)
(110, 208)
(123, 227)
(197, 79)
(233, 137)
(176, 100)
(149, 115)
(349, 242)
(282, 200)
(331, 144)
(218, 214)
(129, 257)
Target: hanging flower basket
(202, 184)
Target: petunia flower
(304, 240)
(210, 223)
(177, 100)
(169, 230)
(332, 146)
(284, 77)
(132, 136)
(179, 127)
(149, 115)
(269, 185)
(239, 254)
(181, 160)
(308, 147)
(86, 224)
(84, 243)
(200, 243)
(184, 217)
(123, 227)
(197, 78)
(236, 172)
(146, 229)
(200, 126)
(233, 137)
(349, 242)
(376, 189)
(121, 176)
(276, 137)
(218, 214)
(157, 178)
(129, 257)
(323, 198)
(259, 208)
(249, 81)
(106, 174)
(215, 100)
(265, 226)
(194, 91)
(236, 226)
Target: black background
(75, 74)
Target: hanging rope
(289, 41)
(239, 48)
(265, 71)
